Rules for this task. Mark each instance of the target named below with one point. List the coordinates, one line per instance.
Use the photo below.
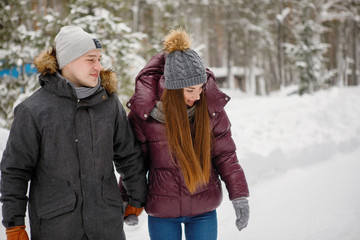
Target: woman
(177, 114)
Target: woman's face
(192, 94)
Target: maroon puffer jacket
(168, 196)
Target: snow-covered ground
(301, 156)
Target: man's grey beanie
(72, 42)
(184, 69)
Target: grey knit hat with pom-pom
(183, 66)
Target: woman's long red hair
(191, 146)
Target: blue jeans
(200, 227)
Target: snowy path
(320, 202)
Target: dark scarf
(82, 92)
(158, 112)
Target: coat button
(129, 104)
(226, 98)
(214, 114)
(104, 97)
(145, 115)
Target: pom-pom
(177, 40)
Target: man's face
(84, 71)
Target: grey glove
(131, 220)
(241, 206)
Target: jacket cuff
(135, 203)
(17, 221)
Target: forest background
(257, 46)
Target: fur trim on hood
(46, 63)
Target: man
(64, 140)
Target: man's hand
(16, 233)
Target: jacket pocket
(58, 207)
(111, 192)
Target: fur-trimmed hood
(46, 63)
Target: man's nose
(98, 65)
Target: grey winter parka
(66, 148)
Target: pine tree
(308, 51)
(20, 41)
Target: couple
(170, 153)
